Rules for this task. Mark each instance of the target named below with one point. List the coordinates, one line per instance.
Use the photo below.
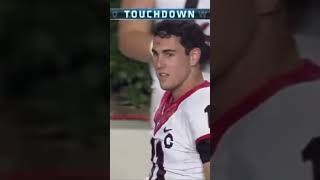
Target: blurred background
(53, 90)
(54, 105)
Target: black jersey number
(208, 110)
(312, 153)
(157, 152)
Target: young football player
(180, 133)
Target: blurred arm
(134, 36)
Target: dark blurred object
(312, 153)
(56, 174)
(298, 10)
(53, 73)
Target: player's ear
(195, 55)
(264, 7)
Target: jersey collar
(168, 107)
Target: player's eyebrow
(163, 51)
(168, 50)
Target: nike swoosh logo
(166, 130)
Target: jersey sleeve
(199, 116)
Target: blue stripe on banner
(187, 13)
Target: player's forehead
(172, 42)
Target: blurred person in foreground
(266, 96)
(180, 136)
(135, 37)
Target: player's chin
(166, 86)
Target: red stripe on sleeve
(207, 136)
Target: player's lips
(163, 75)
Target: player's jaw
(172, 75)
(173, 81)
(164, 79)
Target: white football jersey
(157, 92)
(177, 128)
(264, 137)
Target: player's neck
(273, 52)
(194, 79)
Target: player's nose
(159, 63)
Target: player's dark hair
(190, 33)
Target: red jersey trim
(166, 109)
(309, 71)
(207, 136)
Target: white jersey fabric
(177, 127)
(157, 92)
(263, 138)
